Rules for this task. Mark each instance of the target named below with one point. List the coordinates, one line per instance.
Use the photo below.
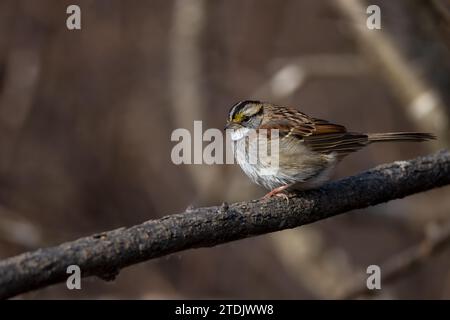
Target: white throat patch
(239, 133)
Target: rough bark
(104, 254)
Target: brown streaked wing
(290, 122)
(341, 143)
(329, 137)
(320, 135)
(325, 127)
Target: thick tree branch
(105, 254)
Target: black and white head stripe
(239, 106)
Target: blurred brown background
(86, 118)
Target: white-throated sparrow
(308, 148)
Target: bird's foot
(278, 192)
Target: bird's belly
(298, 167)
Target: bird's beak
(228, 126)
(232, 125)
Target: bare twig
(105, 254)
(436, 239)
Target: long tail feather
(400, 136)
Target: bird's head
(245, 114)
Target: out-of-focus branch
(18, 231)
(187, 96)
(105, 254)
(436, 239)
(186, 61)
(311, 262)
(422, 101)
(292, 74)
(23, 69)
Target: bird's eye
(245, 118)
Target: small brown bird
(308, 148)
